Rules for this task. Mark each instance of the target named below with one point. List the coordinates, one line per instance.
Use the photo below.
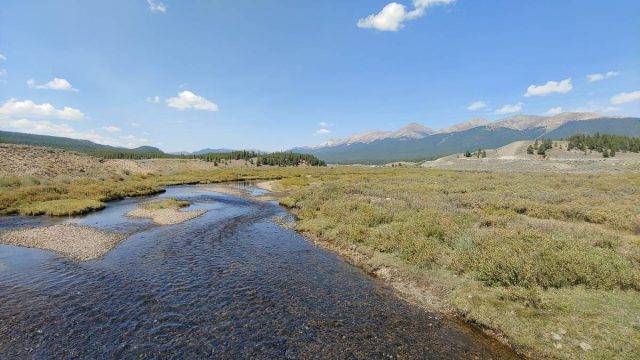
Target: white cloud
(111, 129)
(2, 57)
(323, 129)
(599, 76)
(477, 105)
(55, 84)
(560, 87)
(3, 72)
(135, 124)
(157, 6)
(624, 97)
(554, 111)
(393, 15)
(153, 99)
(188, 100)
(510, 108)
(27, 108)
(46, 127)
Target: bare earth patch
(77, 242)
(166, 216)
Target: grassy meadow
(550, 261)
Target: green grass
(34, 197)
(525, 254)
(165, 204)
(63, 207)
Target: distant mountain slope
(84, 146)
(467, 137)
(389, 150)
(613, 126)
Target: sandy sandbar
(166, 216)
(77, 242)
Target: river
(229, 284)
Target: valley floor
(548, 262)
(514, 158)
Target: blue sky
(189, 74)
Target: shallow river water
(229, 284)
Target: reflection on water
(228, 284)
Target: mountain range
(415, 142)
(85, 146)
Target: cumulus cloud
(510, 109)
(111, 129)
(188, 100)
(477, 105)
(46, 127)
(323, 129)
(559, 87)
(625, 97)
(55, 84)
(13, 108)
(393, 15)
(157, 6)
(600, 76)
(554, 111)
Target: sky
(270, 75)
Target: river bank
(230, 283)
(489, 250)
(546, 261)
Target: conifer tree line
(272, 159)
(606, 144)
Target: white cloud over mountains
(551, 87)
(323, 129)
(393, 15)
(554, 111)
(189, 100)
(477, 105)
(46, 127)
(13, 108)
(55, 84)
(625, 97)
(510, 109)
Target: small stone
(556, 337)
(584, 346)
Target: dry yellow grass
(552, 261)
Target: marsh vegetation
(551, 261)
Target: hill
(467, 136)
(515, 157)
(83, 146)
